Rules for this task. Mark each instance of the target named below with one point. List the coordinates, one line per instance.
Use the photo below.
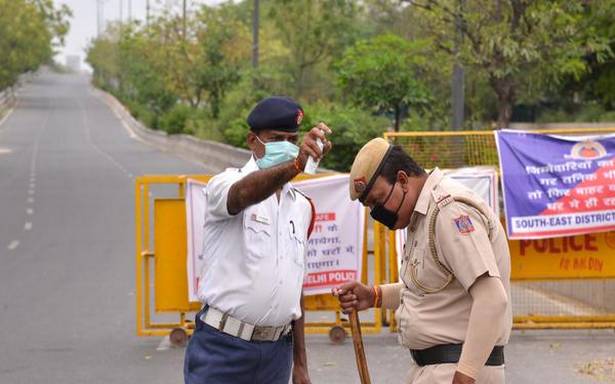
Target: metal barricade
(161, 249)
(566, 282)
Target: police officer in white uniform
(250, 329)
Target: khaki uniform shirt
(470, 242)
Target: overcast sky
(83, 23)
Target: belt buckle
(263, 333)
(268, 333)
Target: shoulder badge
(464, 224)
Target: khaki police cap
(367, 166)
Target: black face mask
(385, 216)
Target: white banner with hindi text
(334, 251)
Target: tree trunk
(216, 100)
(397, 117)
(299, 85)
(505, 92)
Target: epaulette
(441, 197)
(313, 219)
(301, 193)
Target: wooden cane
(359, 351)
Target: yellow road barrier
(566, 282)
(161, 273)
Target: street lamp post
(457, 91)
(147, 12)
(100, 17)
(255, 27)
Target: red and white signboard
(335, 249)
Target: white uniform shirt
(254, 261)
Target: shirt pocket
(297, 244)
(423, 275)
(258, 229)
(412, 260)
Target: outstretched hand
(309, 147)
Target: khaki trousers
(443, 374)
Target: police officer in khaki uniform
(453, 303)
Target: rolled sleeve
(216, 194)
(463, 241)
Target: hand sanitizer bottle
(311, 165)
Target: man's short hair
(399, 160)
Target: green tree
(598, 84)
(353, 127)
(521, 46)
(224, 45)
(383, 73)
(29, 32)
(102, 56)
(313, 33)
(203, 65)
(142, 74)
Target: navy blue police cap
(278, 113)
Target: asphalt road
(67, 169)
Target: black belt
(450, 353)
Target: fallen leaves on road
(554, 347)
(601, 370)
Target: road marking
(104, 99)
(32, 185)
(27, 226)
(131, 134)
(165, 344)
(14, 244)
(6, 116)
(44, 127)
(88, 136)
(30, 199)
(126, 121)
(4, 151)
(30, 211)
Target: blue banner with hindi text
(557, 185)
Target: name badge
(260, 219)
